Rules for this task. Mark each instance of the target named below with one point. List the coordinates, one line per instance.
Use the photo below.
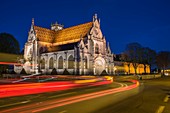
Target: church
(80, 50)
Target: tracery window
(51, 63)
(70, 62)
(60, 62)
(97, 49)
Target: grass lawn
(6, 57)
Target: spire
(104, 38)
(32, 21)
(108, 46)
(94, 17)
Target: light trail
(86, 97)
(10, 63)
(15, 63)
(57, 103)
(34, 88)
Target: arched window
(70, 62)
(43, 63)
(51, 63)
(60, 62)
(97, 49)
(85, 62)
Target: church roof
(45, 35)
(67, 35)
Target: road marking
(166, 98)
(121, 84)
(62, 95)
(160, 109)
(62, 111)
(23, 102)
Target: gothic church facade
(80, 49)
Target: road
(95, 105)
(61, 102)
(18, 88)
(150, 97)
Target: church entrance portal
(99, 66)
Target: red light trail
(10, 63)
(61, 102)
(34, 88)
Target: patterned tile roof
(43, 34)
(67, 35)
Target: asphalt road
(56, 101)
(95, 105)
(150, 97)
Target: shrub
(54, 71)
(23, 72)
(104, 72)
(65, 72)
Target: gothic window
(70, 62)
(85, 62)
(43, 63)
(60, 62)
(51, 63)
(97, 49)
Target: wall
(123, 68)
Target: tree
(148, 57)
(125, 57)
(9, 44)
(163, 60)
(134, 53)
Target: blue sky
(122, 21)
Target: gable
(96, 31)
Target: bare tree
(163, 60)
(148, 57)
(134, 53)
(125, 57)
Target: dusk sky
(122, 21)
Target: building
(79, 50)
(166, 72)
(122, 68)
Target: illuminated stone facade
(79, 50)
(127, 68)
